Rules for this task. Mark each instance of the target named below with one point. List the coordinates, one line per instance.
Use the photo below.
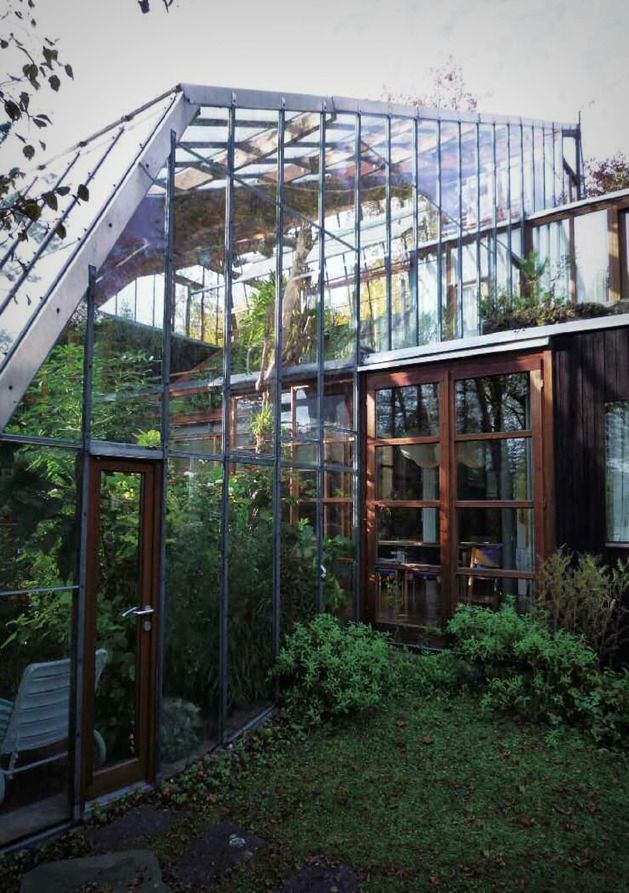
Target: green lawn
(424, 795)
(428, 795)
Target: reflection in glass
(191, 623)
(493, 403)
(494, 469)
(591, 255)
(408, 535)
(408, 595)
(490, 591)
(503, 534)
(119, 588)
(407, 472)
(38, 550)
(250, 593)
(408, 411)
(53, 403)
(617, 465)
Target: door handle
(138, 611)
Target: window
(617, 457)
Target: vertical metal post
(414, 285)
(509, 217)
(225, 436)
(478, 228)
(555, 198)
(321, 571)
(79, 606)
(277, 468)
(357, 233)
(494, 220)
(579, 161)
(535, 208)
(387, 257)
(439, 245)
(167, 323)
(356, 409)
(543, 130)
(459, 277)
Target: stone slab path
(134, 870)
(217, 851)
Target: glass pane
(191, 622)
(591, 255)
(493, 403)
(617, 422)
(196, 357)
(494, 469)
(298, 573)
(53, 404)
(250, 596)
(374, 163)
(408, 596)
(501, 538)
(127, 369)
(490, 592)
(409, 411)
(117, 637)
(407, 535)
(38, 546)
(407, 472)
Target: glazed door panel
(121, 623)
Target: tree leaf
(63, 190)
(51, 200)
(83, 192)
(13, 110)
(32, 210)
(69, 71)
(61, 231)
(54, 82)
(29, 151)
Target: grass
(424, 795)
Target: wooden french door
(120, 624)
(456, 487)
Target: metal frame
(65, 293)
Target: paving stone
(216, 852)
(133, 830)
(322, 879)
(135, 870)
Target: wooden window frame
(539, 367)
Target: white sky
(535, 58)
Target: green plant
(330, 669)
(526, 667)
(582, 595)
(536, 304)
(181, 729)
(541, 674)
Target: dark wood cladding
(590, 370)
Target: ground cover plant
(428, 792)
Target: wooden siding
(590, 370)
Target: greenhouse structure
(268, 354)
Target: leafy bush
(541, 674)
(331, 669)
(585, 597)
(526, 667)
(426, 675)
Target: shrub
(426, 674)
(585, 597)
(330, 669)
(541, 674)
